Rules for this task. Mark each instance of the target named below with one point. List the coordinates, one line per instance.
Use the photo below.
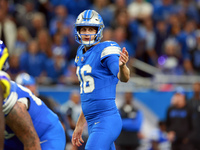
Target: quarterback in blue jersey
(99, 67)
(30, 124)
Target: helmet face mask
(89, 18)
(6, 66)
(87, 43)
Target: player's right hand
(77, 137)
(124, 57)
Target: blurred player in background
(13, 110)
(30, 124)
(29, 82)
(2, 91)
(99, 67)
(1, 119)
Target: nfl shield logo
(82, 58)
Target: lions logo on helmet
(89, 18)
(3, 57)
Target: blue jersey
(46, 123)
(97, 82)
(9, 98)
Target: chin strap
(88, 43)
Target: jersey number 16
(86, 81)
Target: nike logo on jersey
(113, 44)
(8, 135)
(43, 141)
(96, 122)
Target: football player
(1, 120)
(99, 67)
(30, 124)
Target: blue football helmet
(4, 65)
(89, 18)
(25, 79)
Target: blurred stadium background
(161, 36)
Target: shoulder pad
(9, 102)
(5, 83)
(110, 48)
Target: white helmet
(89, 18)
